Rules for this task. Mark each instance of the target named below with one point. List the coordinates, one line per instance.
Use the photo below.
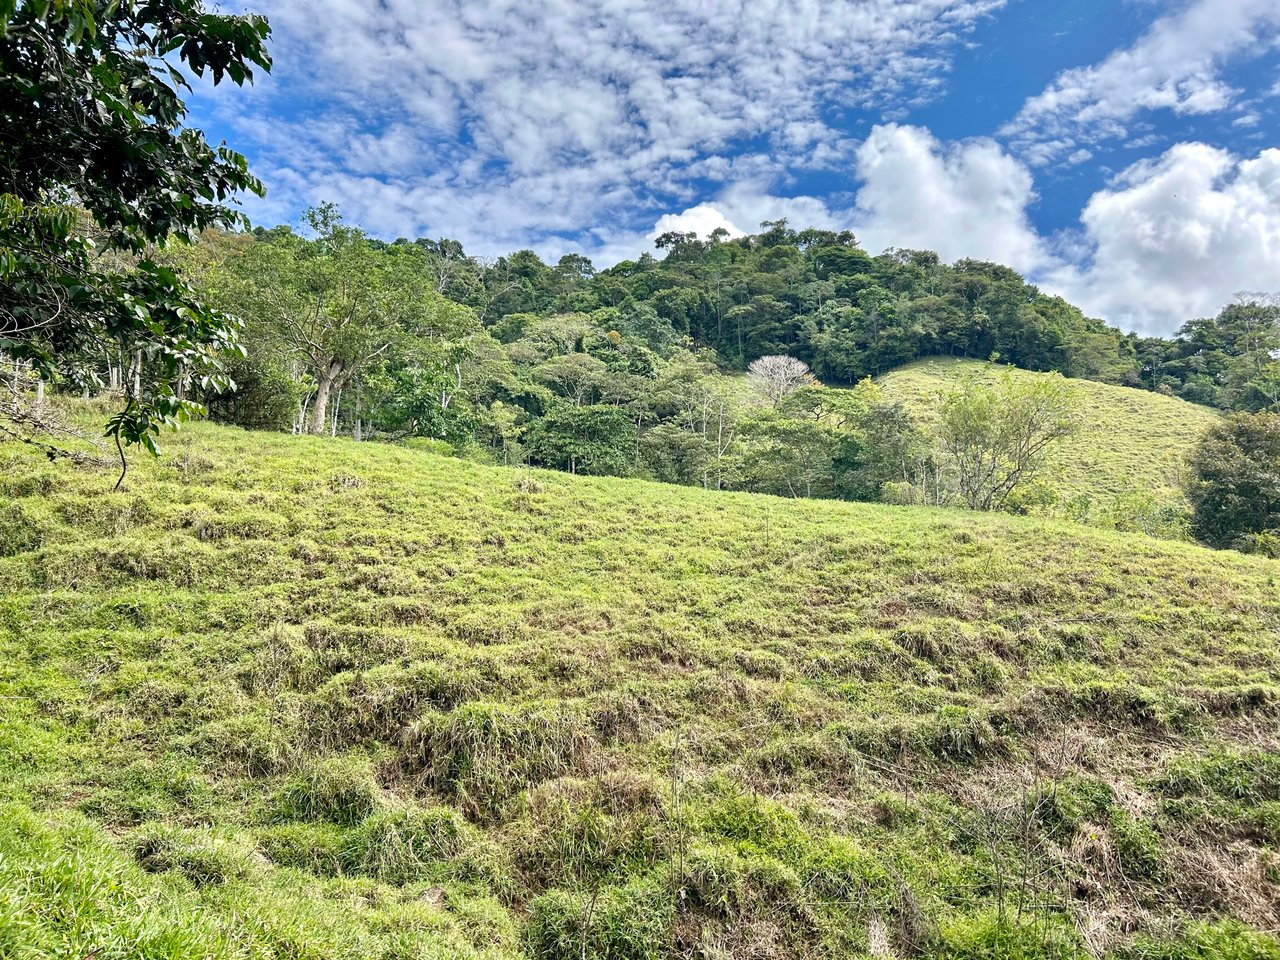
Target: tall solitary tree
(95, 156)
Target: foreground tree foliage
(96, 170)
(1235, 485)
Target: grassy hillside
(306, 698)
(1130, 440)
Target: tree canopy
(98, 169)
(1235, 485)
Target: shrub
(1235, 484)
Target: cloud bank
(511, 123)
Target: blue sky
(1123, 154)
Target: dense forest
(637, 370)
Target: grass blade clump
(485, 753)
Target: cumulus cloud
(1173, 238)
(1169, 239)
(596, 125)
(703, 220)
(962, 199)
(507, 124)
(1176, 65)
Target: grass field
(306, 698)
(1129, 442)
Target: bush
(1235, 485)
(266, 396)
(1143, 512)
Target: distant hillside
(309, 698)
(1130, 440)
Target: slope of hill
(307, 698)
(1130, 440)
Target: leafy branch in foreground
(96, 170)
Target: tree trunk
(325, 379)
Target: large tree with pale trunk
(334, 304)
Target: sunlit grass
(301, 697)
(1130, 442)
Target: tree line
(348, 335)
(714, 364)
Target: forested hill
(636, 370)
(817, 295)
(813, 294)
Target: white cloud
(506, 123)
(1168, 240)
(701, 220)
(962, 199)
(749, 202)
(1173, 238)
(1176, 65)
